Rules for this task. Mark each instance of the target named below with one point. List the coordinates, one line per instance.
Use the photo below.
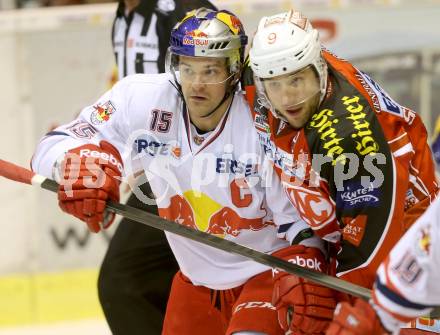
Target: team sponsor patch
(198, 139)
(356, 196)
(362, 135)
(428, 324)
(314, 207)
(332, 141)
(354, 229)
(151, 146)
(102, 113)
(261, 123)
(424, 241)
(281, 158)
(195, 37)
(233, 166)
(381, 100)
(298, 19)
(410, 199)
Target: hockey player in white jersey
(407, 285)
(191, 133)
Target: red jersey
(359, 172)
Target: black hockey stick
(22, 175)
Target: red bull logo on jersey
(198, 211)
(102, 113)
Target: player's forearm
(394, 310)
(407, 281)
(51, 150)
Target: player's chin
(198, 111)
(297, 122)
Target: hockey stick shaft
(22, 175)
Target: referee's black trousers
(135, 276)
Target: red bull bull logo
(179, 211)
(424, 242)
(198, 211)
(197, 33)
(231, 21)
(102, 113)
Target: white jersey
(407, 283)
(212, 182)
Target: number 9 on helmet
(286, 44)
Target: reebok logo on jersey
(310, 263)
(102, 155)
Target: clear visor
(200, 70)
(289, 90)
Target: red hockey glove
(90, 175)
(360, 319)
(303, 307)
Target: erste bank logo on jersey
(382, 101)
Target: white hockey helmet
(283, 44)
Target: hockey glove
(360, 319)
(303, 307)
(90, 175)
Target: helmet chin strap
(225, 97)
(227, 94)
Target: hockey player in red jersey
(406, 285)
(190, 132)
(355, 164)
